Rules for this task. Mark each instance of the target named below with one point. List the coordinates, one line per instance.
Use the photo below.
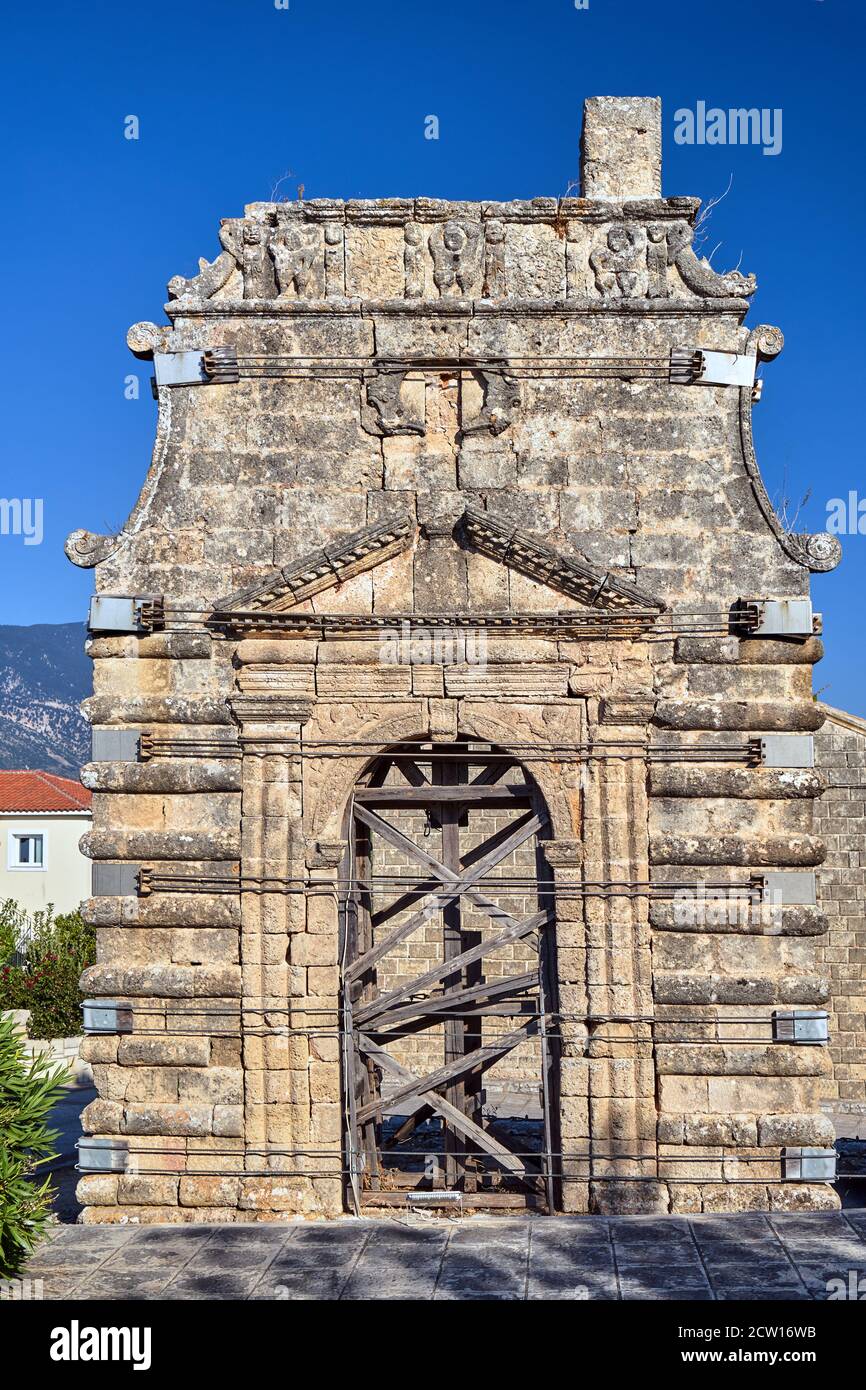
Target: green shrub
(56, 950)
(14, 923)
(28, 1089)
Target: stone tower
(454, 571)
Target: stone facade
(840, 753)
(409, 415)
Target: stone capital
(563, 854)
(271, 719)
(325, 854)
(627, 709)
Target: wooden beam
(409, 1125)
(502, 795)
(455, 1117)
(514, 932)
(481, 1058)
(402, 842)
(492, 773)
(442, 898)
(474, 1201)
(455, 998)
(411, 771)
(425, 886)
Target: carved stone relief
(495, 279)
(501, 399)
(413, 260)
(455, 247)
(335, 259)
(295, 251)
(256, 263)
(389, 411)
(287, 256)
(619, 262)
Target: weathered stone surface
(760, 784)
(146, 1190)
(167, 1120)
(840, 818)
(178, 777)
(621, 150)
(764, 716)
(163, 1052)
(451, 478)
(760, 651)
(794, 851)
(684, 988)
(97, 1189)
(743, 1060)
(796, 1129)
(721, 914)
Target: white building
(42, 819)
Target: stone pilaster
(276, 1048)
(621, 1070)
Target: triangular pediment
(573, 577)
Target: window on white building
(26, 851)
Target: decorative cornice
(815, 551)
(700, 277)
(575, 577)
(577, 623)
(852, 722)
(627, 709)
(323, 569)
(461, 309)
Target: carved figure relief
(335, 259)
(413, 260)
(630, 259)
(501, 399)
(495, 281)
(620, 263)
(657, 263)
(455, 248)
(386, 413)
(256, 263)
(295, 251)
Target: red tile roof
(41, 791)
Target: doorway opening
(450, 1036)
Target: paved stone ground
(749, 1256)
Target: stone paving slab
(751, 1256)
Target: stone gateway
(453, 775)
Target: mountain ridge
(44, 676)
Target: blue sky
(230, 96)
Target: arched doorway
(448, 980)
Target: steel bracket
(787, 750)
(811, 1026)
(701, 367)
(216, 365)
(125, 613)
(809, 1165)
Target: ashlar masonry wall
(840, 753)
(526, 420)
